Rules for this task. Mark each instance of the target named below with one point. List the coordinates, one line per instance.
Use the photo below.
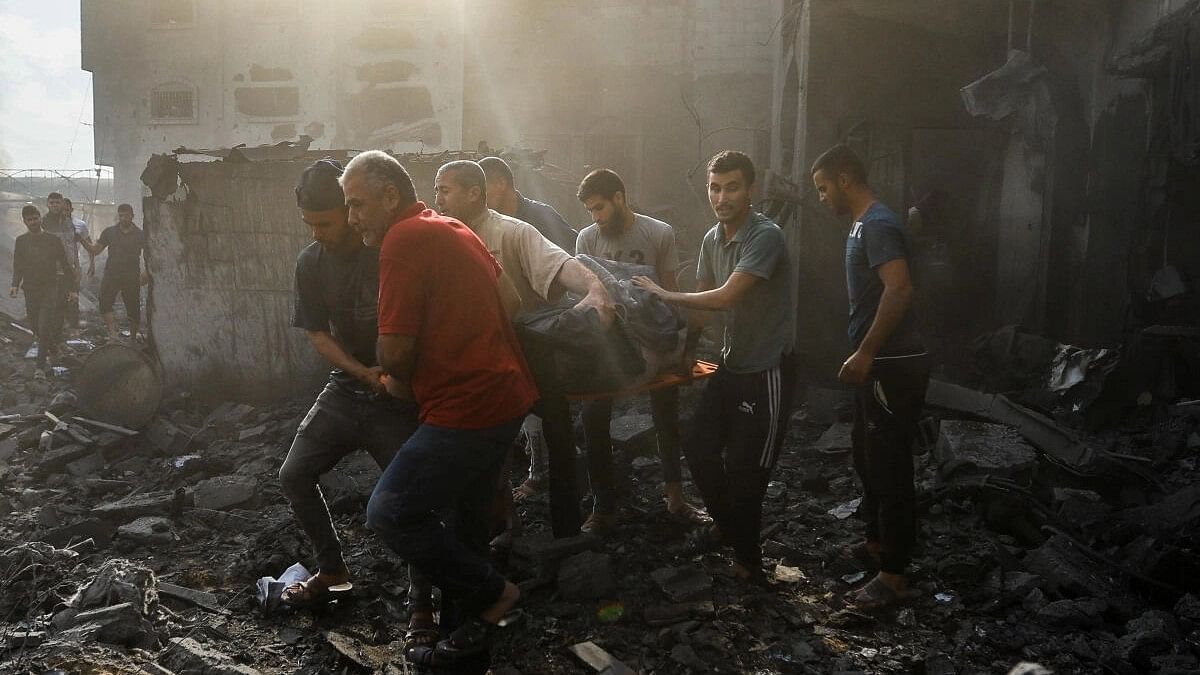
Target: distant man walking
(42, 271)
(83, 238)
(123, 271)
(889, 368)
(738, 429)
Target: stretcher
(701, 370)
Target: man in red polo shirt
(446, 342)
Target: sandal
(690, 516)
(314, 592)
(472, 638)
(421, 633)
(877, 595)
(530, 488)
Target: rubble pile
(138, 551)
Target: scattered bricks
(1072, 614)
(162, 503)
(26, 639)
(86, 466)
(223, 492)
(684, 584)
(56, 460)
(979, 447)
(149, 531)
(185, 655)
(587, 576)
(120, 624)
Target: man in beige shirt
(541, 273)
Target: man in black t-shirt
(337, 282)
(123, 273)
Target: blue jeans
(439, 471)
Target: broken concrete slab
(168, 438)
(587, 576)
(1047, 436)
(100, 531)
(982, 448)
(359, 652)
(1152, 634)
(162, 503)
(56, 460)
(836, 439)
(185, 655)
(600, 660)
(118, 581)
(1067, 570)
(1178, 510)
(201, 599)
(1071, 614)
(149, 531)
(121, 624)
(224, 492)
(684, 584)
(86, 466)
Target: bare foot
(508, 600)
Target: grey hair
(380, 170)
(467, 174)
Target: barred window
(173, 104)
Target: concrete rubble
(140, 551)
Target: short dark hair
(381, 169)
(467, 174)
(125, 207)
(494, 167)
(30, 210)
(601, 183)
(839, 160)
(319, 189)
(54, 195)
(67, 201)
(732, 160)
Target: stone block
(149, 531)
(684, 584)
(224, 492)
(983, 448)
(587, 576)
(162, 503)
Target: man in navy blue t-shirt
(888, 367)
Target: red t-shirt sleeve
(403, 280)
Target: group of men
(414, 309)
(47, 269)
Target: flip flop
(314, 593)
(877, 595)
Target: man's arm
(18, 267)
(337, 356)
(398, 358)
(578, 279)
(713, 300)
(893, 304)
(64, 266)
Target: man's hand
(373, 378)
(648, 284)
(145, 278)
(396, 389)
(12, 292)
(598, 299)
(857, 368)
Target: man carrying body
(503, 196)
(337, 288)
(621, 235)
(444, 341)
(540, 271)
(889, 368)
(123, 273)
(41, 269)
(743, 272)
